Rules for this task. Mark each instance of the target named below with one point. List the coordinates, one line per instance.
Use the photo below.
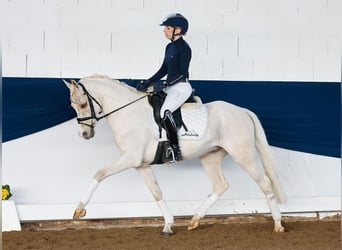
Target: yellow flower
(5, 194)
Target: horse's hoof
(79, 213)
(193, 225)
(279, 230)
(167, 233)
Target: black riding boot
(171, 132)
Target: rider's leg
(176, 96)
(171, 131)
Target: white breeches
(176, 95)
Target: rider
(176, 67)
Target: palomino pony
(231, 130)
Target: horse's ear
(73, 82)
(73, 86)
(67, 83)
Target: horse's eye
(83, 105)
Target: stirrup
(176, 156)
(169, 151)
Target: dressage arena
(277, 61)
(236, 232)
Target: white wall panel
(334, 47)
(302, 70)
(134, 21)
(61, 3)
(251, 23)
(254, 46)
(77, 65)
(334, 8)
(223, 45)
(79, 18)
(294, 24)
(159, 5)
(269, 69)
(43, 63)
(259, 6)
(327, 69)
(25, 40)
(312, 6)
(24, 3)
(208, 68)
(201, 22)
(293, 30)
(43, 17)
(12, 18)
(90, 3)
(94, 42)
(132, 4)
(61, 41)
(325, 25)
(238, 69)
(17, 58)
(129, 46)
(308, 44)
(289, 7)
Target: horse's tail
(267, 158)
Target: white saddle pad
(195, 117)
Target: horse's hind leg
(212, 165)
(249, 161)
(152, 184)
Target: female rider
(176, 67)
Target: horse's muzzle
(87, 134)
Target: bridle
(92, 109)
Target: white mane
(108, 81)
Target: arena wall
(268, 40)
(297, 40)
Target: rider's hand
(158, 87)
(143, 85)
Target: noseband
(92, 109)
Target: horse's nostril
(84, 134)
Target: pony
(231, 130)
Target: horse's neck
(122, 122)
(111, 94)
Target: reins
(92, 109)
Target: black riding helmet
(176, 21)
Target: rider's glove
(158, 87)
(143, 85)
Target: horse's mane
(108, 81)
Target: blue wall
(301, 116)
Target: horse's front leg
(125, 162)
(151, 182)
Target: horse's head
(82, 103)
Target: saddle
(164, 153)
(156, 101)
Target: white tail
(267, 157)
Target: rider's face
(168, 31)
